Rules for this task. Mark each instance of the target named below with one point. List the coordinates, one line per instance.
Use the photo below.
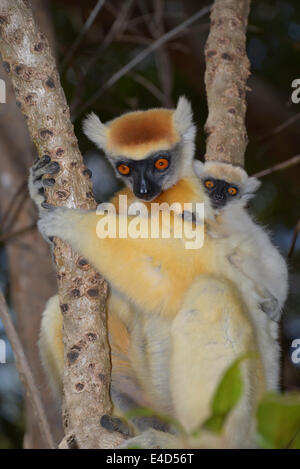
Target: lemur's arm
(247, 266)
(157, 264)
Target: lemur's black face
(220, 192)
(148, 176)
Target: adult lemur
(177, 317)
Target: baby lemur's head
(226, 184)
(150, 150)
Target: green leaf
(226, 397)
(278, 421)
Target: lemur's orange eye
(161, 164)
(124, 169)
(232, 190)
(209, 184)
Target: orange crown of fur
(137, 133)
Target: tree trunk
(28, 60)
(227, 70)
(28, 253)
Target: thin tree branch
(89, 22)
(279, 167)
(14, 234)
(10, 211)
(279, 128)
(149, 86)
(141, 56)
(15, 212)
(118, 26)
(227, 70)
(25, 373)
(294, 239)
(164, 63)
(31, 66)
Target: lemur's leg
(249, 267)
(51, 345)
(212, 328)
(123, 403)
(124, 388)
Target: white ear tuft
(95, 130)
(183, 119)
(198, 167)
(252, 184)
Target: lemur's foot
(37, 184)
(270, 306)
(115, 424)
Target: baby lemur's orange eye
(209, 184)
(124, 169)
(161, 164)
(232, 190)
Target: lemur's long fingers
(42, 166)
(40, 162)
(48, 206)
(48, 168)
(270, 306)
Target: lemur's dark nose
(143, 188)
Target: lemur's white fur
(95, 130)
(264, 271)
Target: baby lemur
(230, 188)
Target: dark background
(178, 68)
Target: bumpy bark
(227, 70)
(28, 251)
(28, 60)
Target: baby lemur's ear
(183, 119)
(95, 130)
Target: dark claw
(52, 168)
(41, 191)
(49, 182)
(88, 172)
(47, 206)
(114, 424)
(42, 162)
